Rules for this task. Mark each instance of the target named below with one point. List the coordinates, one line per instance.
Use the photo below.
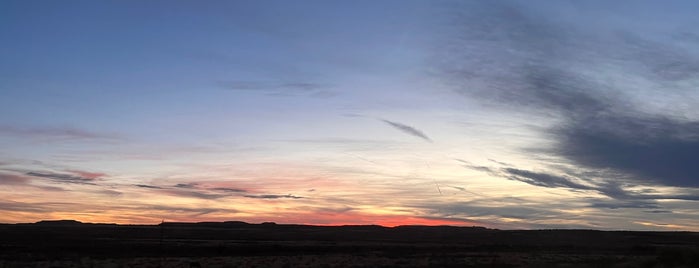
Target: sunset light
(501, 114)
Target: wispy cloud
(55, 133)
(186, 185)
(194, 194)
(193, 185)
(619, 195)
(281, 88)
(658, 211)
(472, 166)
(148, 186)
(11, 179)
(60, 177)
(545, 180)
(616, 204)
(197, 211)
(109, 192)
(194, 190)
(407, 130)
(88, 174)
(39, 207)
(24, 207)
(228, 190)
(273, 196)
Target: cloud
(197, 211)
(492, 215)
(663, 61)
(23, 207)
(54, 133)
(195, 190)
(342, 141)
(10, 179)
(457, 188)
(110, 192)
(407, 130)
(658, 211)
(618, 193)
(529, 62)
(655, 149)
(281, 88)
(148, 186)
(624, 204)
(544, 179)
(58, 177)
(38, 207)
(470, 165)
(87, 174)
(273, 196)
(186, 190)
(191, 185)
(228, 190)
(195, 194)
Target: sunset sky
(503, 114)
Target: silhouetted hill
(59, 222)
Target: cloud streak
(407, 130)
(194, 190)
(287, 89)
(10, 179)
(273, 196)
(54, 133)
(619, 195)
(148, 186)
(544, 179)
(60, 177)
(228, 190)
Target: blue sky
(511, 114)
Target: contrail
(440, 190)
(362, 158)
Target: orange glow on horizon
(356, 218)
(310, 218)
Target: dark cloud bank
(526, 61)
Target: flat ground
(237, 244)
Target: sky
(503, 114)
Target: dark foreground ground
(238, 244)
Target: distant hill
(59, 222)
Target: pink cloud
(88, 175)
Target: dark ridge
(59, 222)
(204, 224)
